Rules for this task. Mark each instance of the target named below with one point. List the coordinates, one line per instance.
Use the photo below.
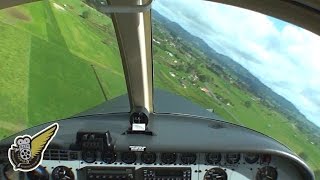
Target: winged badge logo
(26, 153)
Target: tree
(189, 68)
(85, 14)
(303, 155)
(247, 104)
(202, 77)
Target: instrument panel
(129, 165)
(174, 148)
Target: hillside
(244, 77)
(184, 64)
(227, 67)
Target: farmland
(51, 51)
(47, 66)
(188, 71)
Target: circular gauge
(233, 158)
(215, 174)
(109, 157)
(62, 173)
(251, 158)
(188, 158)
(265, 158)
(168, 158)
(40, 173)
(267, 173)
(213, 158)
(148, 157)
(89, 156)
(10, 174)
(128, 157)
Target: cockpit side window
(249, 68)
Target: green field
(50, 52)
(47, 59)
(223, 95)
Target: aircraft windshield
(57, 58)
(249, 68)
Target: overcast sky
(283, 56)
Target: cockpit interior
(148, 133)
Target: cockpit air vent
(54, 154)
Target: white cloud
(286, 59)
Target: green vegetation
(47, 59)
(14, 68)
(180, 67)
(51, 81)
(53, 52)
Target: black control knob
(128, 157)
(62, 173)
(233, 158)
(40, 173)
(215, 174)
(251, 158)
(89, 156)
(213, 158)
(168, 158)
(188, 158)
(267, 173)
(109, 157)
(148, 157)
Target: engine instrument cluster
(155, 166)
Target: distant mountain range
(247, 80)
